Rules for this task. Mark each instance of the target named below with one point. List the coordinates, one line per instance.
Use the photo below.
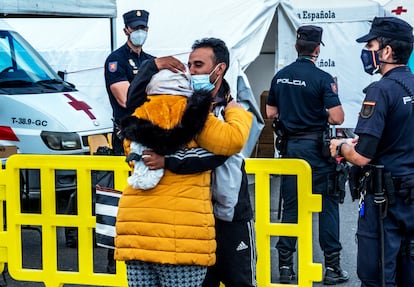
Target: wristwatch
(339, 147)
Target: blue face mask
(202, 82)
(371, 61)
(138, 37)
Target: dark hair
(401, 50)
(305, 48)
(220, 50)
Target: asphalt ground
(67, 257)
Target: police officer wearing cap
(122, 65)
(304, 99)
(120, 68)
(385, 142)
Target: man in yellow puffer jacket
(166, 234)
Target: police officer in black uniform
(385, 143)
(122, 65)
(304, 99)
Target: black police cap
(389, 27)
(135, 18)
(310, 33)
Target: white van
(39, 112)
(42, 114)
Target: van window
(22, 68)
(5, 51)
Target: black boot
(334, 273)
(287, 275)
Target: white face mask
(138, 37)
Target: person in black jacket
(385, 150)
(305, 100)
(122, 65)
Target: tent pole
(113, 33)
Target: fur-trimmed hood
(151, 122)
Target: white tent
(77, 8)
(259, 33)
(403, 9)
(248, 26)
(80, 45)
(342, 23)
(174, 25)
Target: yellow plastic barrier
(49, 221)
(3, 238)
(308, 271)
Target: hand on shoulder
(171, 63)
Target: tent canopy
(259, 33)
(342, 23)
(67, 8)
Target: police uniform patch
(112, 66)
(367, 109)
(334, 88)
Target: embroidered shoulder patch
(367, 109)
(334, 88)
(112, 66)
